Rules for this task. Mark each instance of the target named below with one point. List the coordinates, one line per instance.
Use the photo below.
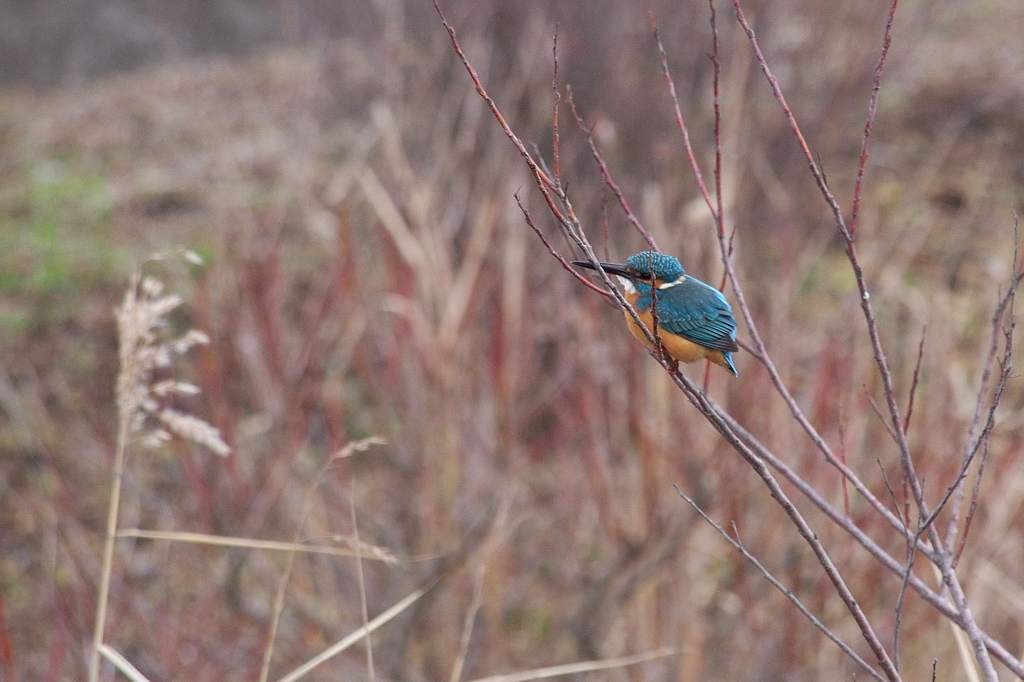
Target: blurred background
(367, 273)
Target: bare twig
(881, 417)
(904, 582)
(715, 86)
(556, 95)
(681, 121)
(564, 263)
(1004, 302)
(108, 547)
(876, 86)
(491, 543)
(738, 545)
(578, 668)
(917, 374)
(354, 637)
(606, 174)
(362, 550)
(944, 560)
(491, 104)
(761, 352)
(933, 598)
(716, 418)
(123, 665)
(975, 497)
(362, 583)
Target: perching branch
(738, 545)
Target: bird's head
(643, 268)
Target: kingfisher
(695, 321)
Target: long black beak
(610, 268)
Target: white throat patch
(669, 285)
(627, 284)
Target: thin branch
(103, 596)
(876, 86)
(123, 665)
(681, 120)
(738, 545)
(1004, 302)
(975, 497)
(905, 579)
(362, 583)
(881, 417)
(937, 601)
(556, 96)
(945, 562)
(760, 352)
(917, 374)
(606, 174)
(718, 419)
(354, 637)
(578, 668)
(1006, 368)
(715, 85)
(902, 595)
(491, 104)
(719, 212)
(564, 263)
(360, 549)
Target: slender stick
(715, 86)
(913, 383)
(998, 314)
(714, 415)
(362, 584)
(556, 95)
(949, 576)
(606, 174)
(681, 120)
(738, 545)
(876, 86)
(940, 603)
(564, 263)
(762, 354)
(108, 547)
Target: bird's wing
(698, 312)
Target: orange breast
(679, 348)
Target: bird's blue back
(694, 310)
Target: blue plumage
(694, 310)
(686, 307)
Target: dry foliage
(369, 272)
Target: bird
(695, 321)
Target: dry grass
(368, 272)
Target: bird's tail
(729, 364)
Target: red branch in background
(876, 86)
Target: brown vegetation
(368, 273)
